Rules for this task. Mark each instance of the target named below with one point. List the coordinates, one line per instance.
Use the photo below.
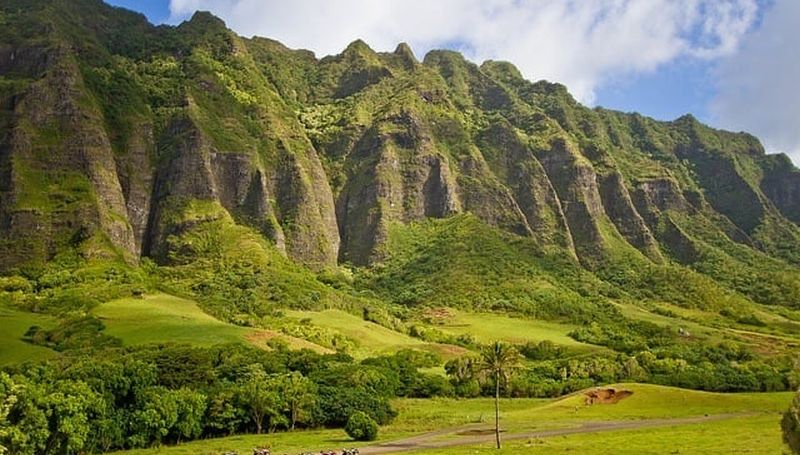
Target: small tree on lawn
(499, 360)
(361, 427)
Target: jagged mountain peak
(323, 156)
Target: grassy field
(13, 325)
(749, 424)
(371, 338)
(743, 435)
(161, 318)
(488, 327)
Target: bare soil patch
(478, 432)
(606, 396)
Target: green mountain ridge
(205, 235)
(207, 152)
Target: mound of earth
(606, 396)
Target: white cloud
(758, 85)
(581, 43)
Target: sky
(734, 64)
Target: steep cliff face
(60, 186)
(781, 184)
(115, 135)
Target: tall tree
(499, 360)
(261, 398)
(298, 395)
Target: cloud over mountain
(757, 85)
(578, 43)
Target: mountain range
(120, 140)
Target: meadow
(164, 318)
(371, 338)
(14, 324)
(705, 423)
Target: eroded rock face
(305, 209)
(782, 187)
(532, 189)
(323, 156)
(725, 188)
(619, 207)
(659, 195)
(61, 185)
(136, 172)
(293, 207)
(575, 182)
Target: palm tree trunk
(497, 407)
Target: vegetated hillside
(358, 205)
(253, 177)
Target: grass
(647, 402)
(370, 338)
(753, 435)
(488, 327)
(754, 430)
(14, 324)
(162, 318)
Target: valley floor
(652, 420)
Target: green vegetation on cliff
(187, 184)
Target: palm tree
(499, 360)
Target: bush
(361, 427)
(790, 425)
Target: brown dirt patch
(260, 337)
(478, 432)
(447, 351)
(606, 396)
(437, 316)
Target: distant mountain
(121, 140)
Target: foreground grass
(753, 434)
(752, 428)
(162, 318)
(14, 324)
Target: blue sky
(731, 63)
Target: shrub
(361, 427)
(790, 425)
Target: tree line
(116, 398)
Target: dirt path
(429, 440)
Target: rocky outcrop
(110, 147)
(518, 167)
(305, 208)
(392, 177)
(371, 199)
(781, 184)
(725, 188)
(619, 207)
(293, 208)
(61, 180)
(575, 182)
(136, 171)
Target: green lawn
(371, 338)
(646, 402)
(743, 435)
(161, 318)
(14, 324)
(753, 428)
(488, 327)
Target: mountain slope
(209, 152)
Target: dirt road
(480, 433)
